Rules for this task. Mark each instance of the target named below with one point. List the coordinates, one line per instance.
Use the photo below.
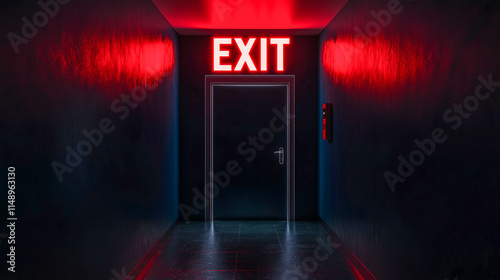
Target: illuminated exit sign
(221, 50)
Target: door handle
(281, 155)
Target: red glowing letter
(218, 54)
(280, 53)
(263, 54)
(245, 54)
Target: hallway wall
(392, 80)
(120, 199)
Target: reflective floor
(249, 250)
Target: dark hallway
(250, 139)
(250, 250)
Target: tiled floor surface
(247, 250)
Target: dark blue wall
(105, 215)
(197, 58)
(441, 222)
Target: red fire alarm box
(327, 121)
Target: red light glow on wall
(384, 64)
(92, 59)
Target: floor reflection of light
(287, 261)
(281, 250)
(209, 250)
(211, 234)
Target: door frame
(286, 80)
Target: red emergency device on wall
(327, 121)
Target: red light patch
(387, 64)
(95, 60)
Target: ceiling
(205, 17)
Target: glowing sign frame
(245, 57)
